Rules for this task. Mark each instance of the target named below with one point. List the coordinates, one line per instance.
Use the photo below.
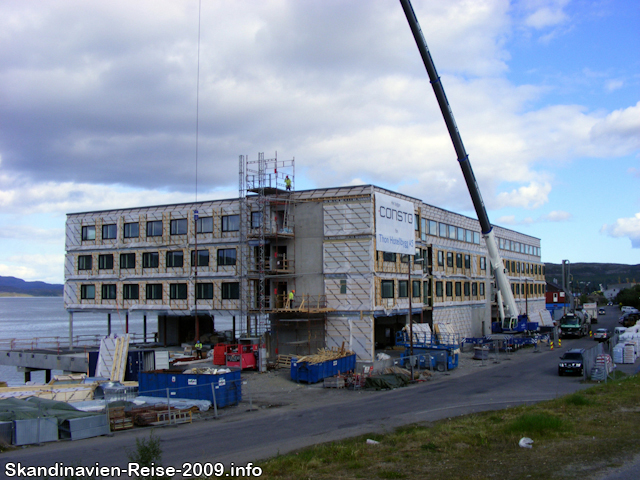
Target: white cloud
(557, 216)
(34, 267)
(625, 227)
(614, 84)
(533, 195)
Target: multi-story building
(240, 258)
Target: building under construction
(243, 258)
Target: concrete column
(70, 330)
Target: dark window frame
(154, 228)
(88, 292)
(110, 231)
(439, 288)
(86, 237)
(175, 259)
(204, 291)
(225, 258)
(230, 223)
(178, 291)
(129, 231)
(129, 292)
(125, 260)
(150, 260)
(109, 291)
(387, 286)
(204, 225)
(85, 262)
(179, 226)
(153, 291)
(105, 261)
(230, 290)
(203, 258)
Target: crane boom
(495, 259)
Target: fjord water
(27, 318)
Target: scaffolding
(265, 187)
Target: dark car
(602, 311)
(572, 362)
(629, 319)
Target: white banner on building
(395, 225)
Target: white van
(619, 330)
(629, 309)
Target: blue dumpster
(315, 372)
(227, 386)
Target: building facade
(242, 257)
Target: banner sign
(395, 225)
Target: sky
(105, 105)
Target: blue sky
(98, 111)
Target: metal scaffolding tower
(262, 184)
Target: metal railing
(62, 342)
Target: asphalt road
(526, 378)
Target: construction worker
(290, 299)
(287, 182)
(198, 347)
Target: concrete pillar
(70, 330)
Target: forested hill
(15, 286)
(595, 273)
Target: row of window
(225, 256)
(179, 226)
(153, 291)
(470, 289)
(527, 288)
(444, 230)
(514, 268)
(461, 260)
(387, 288)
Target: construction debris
(325, 354)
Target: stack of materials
(618, 352)
(602, 367)
(326, 363)
(629, 353)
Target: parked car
(572, 362)
(619, 330)
(629, 319)
(602, 334)
(602, 311)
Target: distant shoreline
(26, 295)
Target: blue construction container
(227, 386)
(315, 372)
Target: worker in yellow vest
(290, 299)
(198, 347)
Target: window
(230, 291)
(423, 228)
(89, 233)
(389, 257)
(131, 230)
(438, 289)
(443, 229)
(130, 291)
(179, 226)
(387, 288)
(452, 232)
(404, 258)
(177, 291)
(150, 260)
(483, 263)
(204, 291)
(474, 289)
(476, 238)
(256, 219)
(458, 289)
(469, 236)
(460, 233)
(417, 222)
(426, 291)
(230, 223)
(467, 261)
(105, 262)
(518, 267)
(343, 286)
(127, 260)
(449, 259)
(84, 262)
(203, 258)
(108, 292)
(109, 232)
(154, 228)
(458, 260)
(467, 289)
(440, 258)
(226, 256)
(402, 289)
(204, 225)
(481, 289)
(154, 291)
(415, 288)
(175, 259)
(87, 292)
(449, 289)
(433, 228)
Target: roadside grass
(573, 436)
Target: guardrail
(62, 343)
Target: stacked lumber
(118, 419)
(325, 354)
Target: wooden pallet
(118, 419)
(284, 361)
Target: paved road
(525, 378)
